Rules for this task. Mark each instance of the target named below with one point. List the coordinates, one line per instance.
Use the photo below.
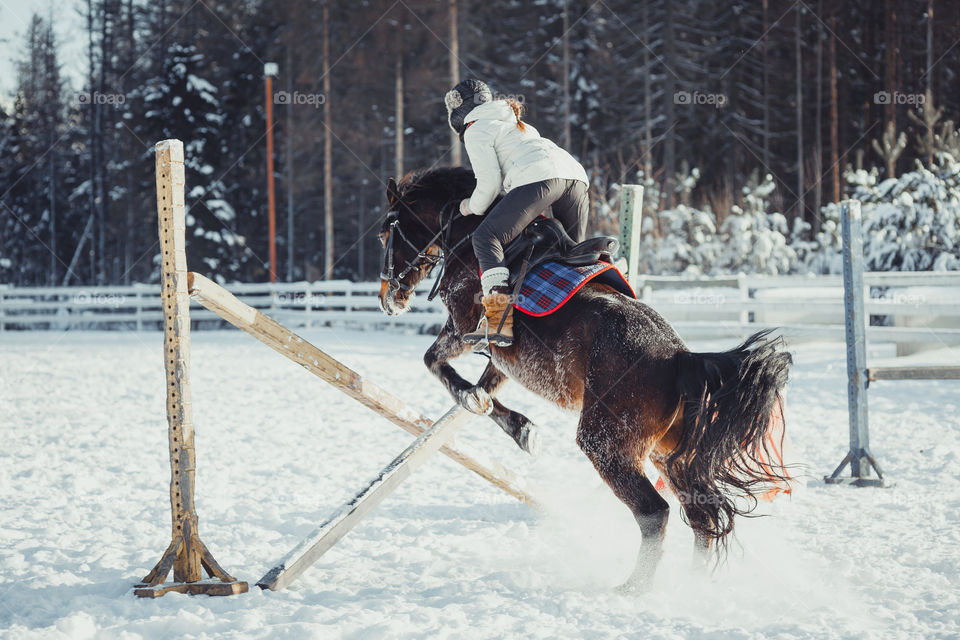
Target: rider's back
(524, 156)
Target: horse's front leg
(516, 425)
(446, 347)
(478, 398)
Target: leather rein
(441, 237)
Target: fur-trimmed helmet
(462, 99)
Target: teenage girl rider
(509, 156)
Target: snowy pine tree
(181, 103)
(753, 240)
(35, 174)
(912, 223)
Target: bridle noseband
(441, 238)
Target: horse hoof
(476, 400)
(633, 588)
(530, 439)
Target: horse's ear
(393, 195)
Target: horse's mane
(442, 183)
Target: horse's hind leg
(618, 457)
(702, 545)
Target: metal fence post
(631, 215)
(858, 457)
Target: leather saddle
(545, 239)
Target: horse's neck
(462, 273)
(463, 265)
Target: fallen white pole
(346, 518)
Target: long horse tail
(728, 400)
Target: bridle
(441, 238)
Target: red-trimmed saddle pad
(550, 285)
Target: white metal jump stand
(859, 457)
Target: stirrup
(479, 343)
(482, 343)
(481, 347)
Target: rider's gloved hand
(465, 208)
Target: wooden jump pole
(187, 554)
(913, 373)
(305, 554)
(286, 342)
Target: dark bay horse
(700, 418)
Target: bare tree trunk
(91, 140)
(130, 241)
(106, 50)
(818, 127)
(566, 75)
(98, 163)
(361, 252)
(834, 108)
(87, 229)
(327, 153)
(799, 89)
(455, 151)
(890, 112)
(398, 98)
(647, 101)
(669, 150)
(766, 89)
(288, 134)
(930, 47)
(52, 190)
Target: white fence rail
(137, 307)
(916, 307)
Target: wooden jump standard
(186, 553)
(431, 436)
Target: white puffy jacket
(504, 157)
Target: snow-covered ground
(84, 489)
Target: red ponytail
(517, 111)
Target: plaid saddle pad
(550, 285)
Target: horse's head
(411, 239)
